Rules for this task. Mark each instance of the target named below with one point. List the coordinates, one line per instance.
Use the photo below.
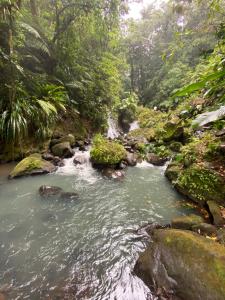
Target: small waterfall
(134, 125)
(84, 170)
(112, 129)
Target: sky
(135, 8)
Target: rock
(112, 174)
(215, 211)
(220, 133)
(55, 160)
(172, 130)
(62, 150)
(173, 171)
(186, 222)
(175, 146)
(185, 263)
(201, 184)
(32, 165)
(69, 196)
(209, 117)
(46, 191)
(131, 159)
(221, 236)
(156, 160)
(204, 228)
(106, 153)
(123, 165)
(67, 138)
(80, 159)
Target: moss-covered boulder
(184, 263)
(142, 134)
(106, 153)
(201, 184)
(32, 165)
(173, 171)
(62, 150)
(186, 222)
(172, 130)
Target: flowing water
(134, 125)
(86, 249)
(112, 128)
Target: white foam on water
(134, 125)
(84, 171)
(112, 129)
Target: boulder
(55, 160)
(173, 171)
(131, 159)
(80, 159)
(215, 211)
(67, 138)
(201, 184)
(155, 159)
(186, 222)
(204, 229)
(183, 263)
(32, 165)
(209, 117)
(46, 191)
(172, 130)
(62, 150)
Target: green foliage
(106, 152)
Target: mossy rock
(142, 134)
(175, 146)
(172, 130)
(105, 152)
(201, 184)
(32, 165)
(190, 265)
(173, 171)
(186, 222)
(62, 150)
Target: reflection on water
(85, 249)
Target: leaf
(199, 85)
(47, 107)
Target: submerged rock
(62, 150)
(69, 196)
(112, 173)
(32, 165)
(46, 191)
(186, 222)
(184, 263)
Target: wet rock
(204, 228)
(112, 173)
(173, 171)
(32, 165)
(215, 211)
(184, 263)
(220, 133)
(123, 165)
(46, 191)
(55, 160)
(131, 159)
(69, 196)
(186, 222)
(156, 160)
(80, 159)
(62, 150)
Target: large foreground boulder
(62, 150)
(184, 264)
(32, 165)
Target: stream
(86, 249)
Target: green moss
(106, 152)
(140, 133)
(202, 184)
